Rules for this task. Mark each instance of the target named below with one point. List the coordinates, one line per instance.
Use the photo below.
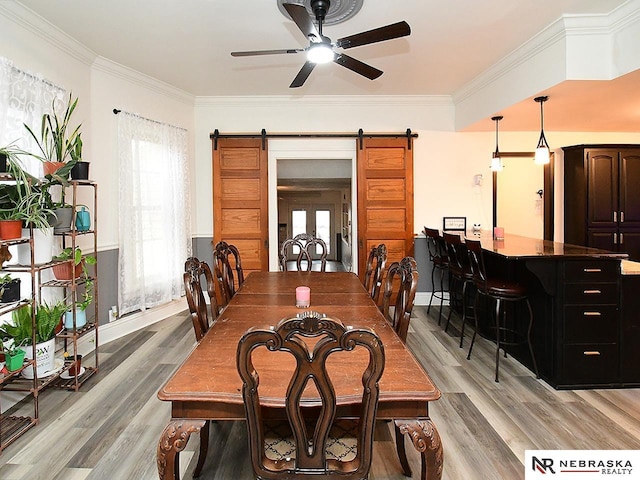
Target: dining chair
(405, 274)
(500, 291)
(195, 270)
(316, 443)
(375, 269)
(306, 247)
(228, 282)
(439, 263)
(461, 278)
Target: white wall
(34, 46)
(445, 160)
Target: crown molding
(548, 37)
(135, 77)
(419, 101)
(35, 24)
(558, 31)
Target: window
(154, 212)
(24, 98)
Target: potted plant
(56, 140)
(10, 221)
(63, 213)
(75, 264)
(7, 154)
(46, 319)
(80, 307)
(36, 211)
(13, 193)
(80, 170)
(9, 289)
(13, 356)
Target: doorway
(311, 194)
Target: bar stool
(501, 291)
(439, 263)
(460, 275)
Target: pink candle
(303, 297)
(498, 233)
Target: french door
(317, 220)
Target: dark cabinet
(630, 331)
(588, 350)
(602, 197)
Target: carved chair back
(223, 254)
(195, 272)
(311, 339)
(405, 274)
(375, 269)
(306, 246)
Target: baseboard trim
(131, 323)
(422, 299)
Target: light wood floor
(109, 430)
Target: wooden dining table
(207, 385)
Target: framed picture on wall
(454, 223)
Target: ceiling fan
(321, 49)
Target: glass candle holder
(303, 297)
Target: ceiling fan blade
(357, 66)
(251, 53)
(389, 32)
(303, 74)
(303, 20)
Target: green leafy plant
(5, 280)
(69, 253)
(76, 151)
(12, 350)
(12, 194)
(36, 208)
(54, 141)
(47, 318)
(87, 295)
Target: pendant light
(542, 150)
(496, 161)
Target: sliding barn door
(385, 198)
(240, 199)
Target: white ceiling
(186, 44)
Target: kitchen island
(583, 335)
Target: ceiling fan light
(320, 53)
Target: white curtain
(24, 98)
(154, 206)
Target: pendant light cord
(542, 143)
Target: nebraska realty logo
(581, 464)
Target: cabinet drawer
(591, 271)
(590, 363)
(591, 293)
(591, 324)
